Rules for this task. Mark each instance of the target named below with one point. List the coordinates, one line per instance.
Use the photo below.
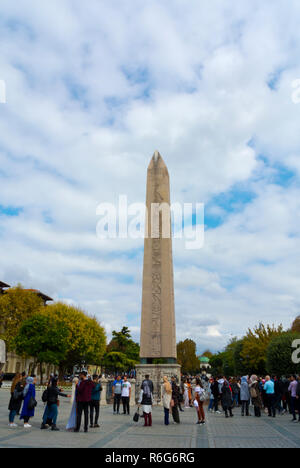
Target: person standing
(116, 393)
(29, 404)
(256, 395)
(226, 398)
(175, 399)
(200, 398)
(167, 398)
(16, 399)
(51, 410)
(126, 394)
(294, 400)
(235, 392)
(269, 389)
(211, 395)
(84, 397)
(245, 396)
(95, 402)
(146, 400)
(216, 393)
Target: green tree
(43, 338)
(86, 341)
(16, 306)
(186, 356)
(122, 343)
(207, 354)
(279, 355)
(255, 345)
(116, 361)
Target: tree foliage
(122, 343)
(254, 347)
(86, 338)
(296, 325)
(279, 355)
(116, 361)
(16, 306)
(186, 356)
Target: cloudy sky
(92, 89)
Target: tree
(86, 341)
(207, 354)
(16, 306)
(296, 325)
(186, 356)
(122, 343)
(279, 355)
(116, 361)
(44, 338)
(255, 345)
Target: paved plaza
(122, 432)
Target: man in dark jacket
(83, 398)
(216, 393)
(175, 398)
(51, 411)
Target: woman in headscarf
(226, 398)
(167, 398)
(186, 394)
(29, 396)
(245, 396)
(16, 398)
(256, 395)
(146, 399)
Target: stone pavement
(122, 432)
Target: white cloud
(92, 90)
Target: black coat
(226, 396)
(52, 395)
(215, 389)
(15, 404)
(147, 387)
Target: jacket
(244, 394)
(53, 393)
(84, 391)
(96, 392)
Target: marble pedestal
(156, 373)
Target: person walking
(51, 411)
(186, 394)
(175, 399)
(95, 402)
(29, 404)
(211, 395)
(16, 399)
(269, 389)
(146, 400)
(256, 395)
(126, 394)
(226, 398)
(245, 396)
(83, 398)
(200, 398)
(235, 392)
(294, 400)
(116, 393)
(167, 398)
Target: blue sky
(92, 90)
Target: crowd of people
(270, 394)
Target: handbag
(32, 403)
(136, 417)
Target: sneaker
(54, 428)
(96, 426)
(27, 426)
(203, 423)
(218, 412)
(13, 425)
(44, 426)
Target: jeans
(236, 399)
(294, 406)
(167, 416)
(12, 416)
(126, 408)
(117, 401)
(211, 404)
(94, 405)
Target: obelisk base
(156, 373)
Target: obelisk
(158, 329)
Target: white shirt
(126, 389)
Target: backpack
(253, 392)
(202, 396)
(45, 396)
